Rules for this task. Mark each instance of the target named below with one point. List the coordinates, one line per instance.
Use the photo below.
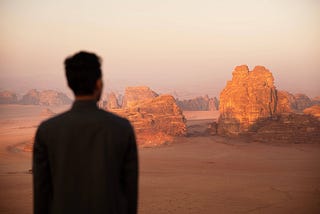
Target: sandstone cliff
(156, 121)
(8, 97)
(134, 94)
(46, 98)
(199, 104)
(250, 95)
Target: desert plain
(197, 173)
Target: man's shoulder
(114, 119)
(101, 116)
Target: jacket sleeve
(42, 189)
(131, 174)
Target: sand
(195, 174)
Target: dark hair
(82, 71)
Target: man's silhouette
(85, 160)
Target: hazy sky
(181, 45)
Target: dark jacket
(85, 161)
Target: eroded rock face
(313, 110)
(135, 94)
(112, 101)
(156, 121)
(250, 95)
(199, 104)
(46, 98)
(286, 128)
(8, 97)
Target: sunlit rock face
(202, 103)
(46, 98)
(8, 97)
(133, 95)
(156, 120)
(313, 110)
(250, 95)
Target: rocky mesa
(45, 98)
(156, 120)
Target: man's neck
(85, 97)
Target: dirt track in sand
(198, 174)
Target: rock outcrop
(293, 103)
(133, 95)
(286, 128)
(112, 101)
(8, 97)
(302, 102)
(251, 106)
(199, 104)
(249, 96)
(156, 121)
(313, 110)
(46, 98)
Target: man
(85, 160)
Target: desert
(195, 173)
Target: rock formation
(302, 102)
(8, 97)
(313, 110)
(294, 103)
(134, 94)
(250, 105)
(249, 96)
(112, 101)
(156, 121)
(286, 128)
(199, 104)
(285, 102)
(46, 98)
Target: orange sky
(183, 46)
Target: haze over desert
(223, 97)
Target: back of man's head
(82, 71)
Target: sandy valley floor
(196, 174)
